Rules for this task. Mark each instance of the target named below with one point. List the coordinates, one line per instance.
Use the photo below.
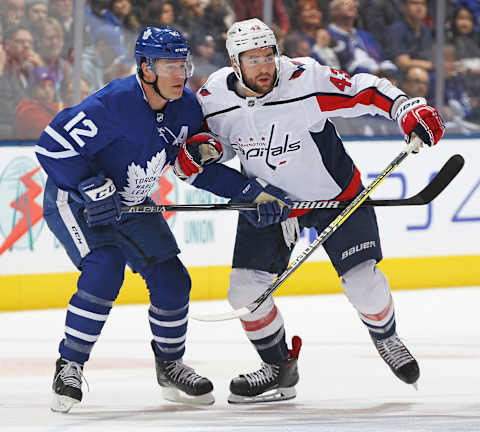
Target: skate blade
(62, 404)
(276, 395)
(174, 395)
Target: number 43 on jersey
(340, 79)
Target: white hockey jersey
(285, 137)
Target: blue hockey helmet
(162, 43)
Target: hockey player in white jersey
(273, 113)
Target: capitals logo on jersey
(266, 147)
(298, 71)
(204, 92)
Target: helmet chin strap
(154, 85)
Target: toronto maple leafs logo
(140, 181)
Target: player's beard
(261, 88)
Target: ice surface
(344, 385)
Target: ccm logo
(77, 234)
(358, 248)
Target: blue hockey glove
(273, 204)
(102, 204)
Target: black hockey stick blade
(436, 186)
(443, 178)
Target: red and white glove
(199, 150)
(415, 116)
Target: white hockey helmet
(247, 35)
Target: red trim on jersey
(349, 192)
(262, 322)
(368, 96)
(352, 188)
(380, 316)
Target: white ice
(344, 385)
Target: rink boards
(429, 246)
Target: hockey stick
(322, 237)
(443, 178)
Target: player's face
(258, 69)
(171, 77)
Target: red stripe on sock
(381, 315)
(260, 323)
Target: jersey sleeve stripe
(55, 155)
(58, 138)
(368, 96)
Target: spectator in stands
(357, 50)
(323, 50)
(467, 46)
(295, 45)
(246, 9)
(205, 59)
(416, 82)
(67, 92)
(457, 103)
(221, 14)
(62, 10)
(474, 7)
(130, 26)
(37, 110)
(379, 15)
(106, 59)
(307, 20)
(50, 47)
(409, 41)
(192, 19)
(21, 57)
(37, 13)
(160, 13)
(11, 92)
(12, 13)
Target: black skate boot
(397, 356)
(67, 385)
(271, 383)
(180, 383)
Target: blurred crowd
(394, 39)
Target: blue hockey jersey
(115, 132)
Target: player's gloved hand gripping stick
(102, 203)
(270, 204)
(413, 145)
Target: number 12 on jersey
(340, 79)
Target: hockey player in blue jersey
(111, 149)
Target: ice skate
(398, 358)
(180, 383)
(271, 383)
(67, 385)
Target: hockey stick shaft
(322, 237)
(446, 174)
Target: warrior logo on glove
(198, 151)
